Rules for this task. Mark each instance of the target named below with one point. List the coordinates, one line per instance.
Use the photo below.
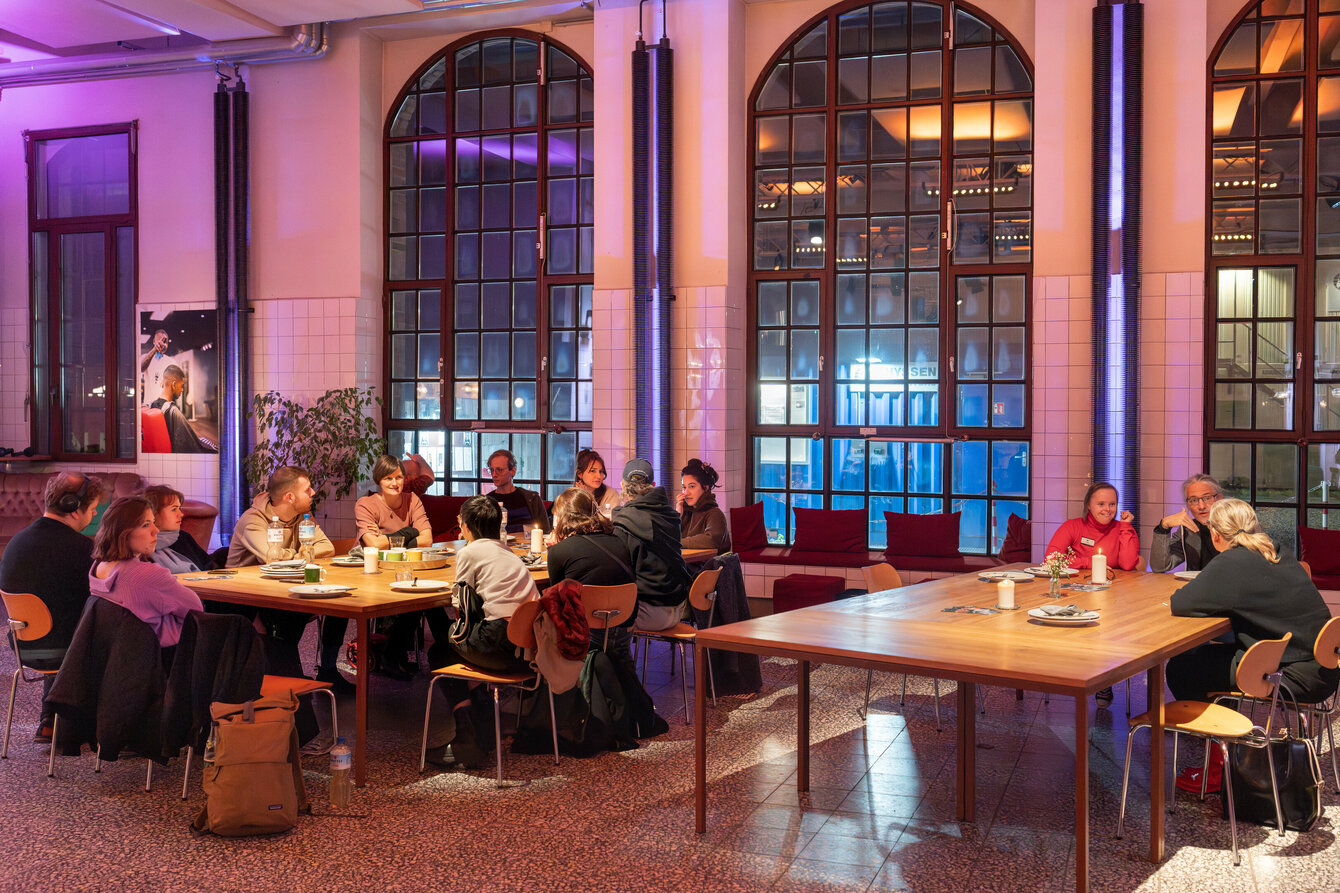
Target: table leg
(361, 705)
(1081, 793)
(803, 728)
(700, 659)
(965, 809)
(1154, 680)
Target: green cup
(313, 573)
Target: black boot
(465, 746)
(481, 711)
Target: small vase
(1054, 590)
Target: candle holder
(1011, 608)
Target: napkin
(1064, 610)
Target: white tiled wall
(15, 365)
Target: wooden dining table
(372, 597)
(912, 630)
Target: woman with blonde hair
(1264, 594)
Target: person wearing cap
(524, 507)
(649, 527)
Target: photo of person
(178, 382)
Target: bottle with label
(274, 536)
(307, 536)
(341, 784)
(502, 528)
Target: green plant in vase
(1057, 565)
(334, 439)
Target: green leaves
(335, 440)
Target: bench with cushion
(1321, 550)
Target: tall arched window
(1273, 256)
(489, 260)
(891, 272)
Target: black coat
(219, 658)
(649, 528)
(109, 691)
(50, 560)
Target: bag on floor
(253, 784)
(1297, 772)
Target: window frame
(48, 426)
(949, 429)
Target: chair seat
(1199, 718)
(277, 685)
(680, 631)
(475, 674)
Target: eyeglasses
(1201, 500)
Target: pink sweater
(1118, 540)
(149, 592)
(373, 515)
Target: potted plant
(335, 439)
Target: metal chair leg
(149, 775)
(1125, 783)
(553, 721)
(711, 676)
(981, 699)
(51, 760)
(1330, 734)
(97, 759)
(497, 731)
(186, 776)
(936, 684)
(334, 713)
(683, 676)
(902, 698)
(869, 678)
(1172, 788)
(1274, 783)
(427, 709)
(1128, 698)
(9, 717)
(1228, 797)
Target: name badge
(1085, 541)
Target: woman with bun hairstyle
(591, 478)
(701, 524)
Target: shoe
(43, 733)
(1189, 779)
(341, 686)
(319, 745)
(441, 757)
(1104, 697)
(465, 746)
(481, 713)
(393, 670)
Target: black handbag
(469, 613)
(1297, 776)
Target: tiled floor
(880, 815)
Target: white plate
(419, 585)
(1043, 572)
(346, 561)
(1187, 575)
(1039, 614)
(319, 590)
(287, 562)
(995, 576)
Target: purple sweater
(149, 592)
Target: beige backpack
(254, 783)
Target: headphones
(69, 502)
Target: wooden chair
(1258, 676)
(880, 578)
(702, 596)
(1322, 715)
(29, 620)
(608, 606)
(520, 632)
(343, 546)
(1307, 568)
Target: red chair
(154, 431)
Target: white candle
(536, 539)
(369, 560)
(1005, 594)
(1099, 567)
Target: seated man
(180, 433)
(649, 528)
(288, 496)
(1185, 534)
(524, 507)
(51, 559)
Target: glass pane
(1274, 407)
(1235, 110)
(1008, 353)
(1234, 353)
(1323, 475)
(1009, 468)
(1276, 472)
(1232, 406)
(970, 467)
(1281, 107)
(1239, 53)
(1007, 406)
(1326, 407)
(83, 350)
(1231, 466)
(83, 176)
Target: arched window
(489, 260)
(1273, 256)
(891, 272)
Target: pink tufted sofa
(21, 502)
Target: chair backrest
(521, 625)
(1327, 648)
(882, 576)
(29, 610)
(342, 547)
(1307, 568)
(607, 606)
(1260, 661)
(702, 592)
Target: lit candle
(536, 539)
(1005, 594)
(1099, 567)
(369, 560)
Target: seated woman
(391, 512)
(1099, 529)
(503, 584)
(124, 573)
(702, 525)
(591, 478)
(1264, 594)
(586, 550)
(177, 550)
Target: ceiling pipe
(302, 42)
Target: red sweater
(1118, 540)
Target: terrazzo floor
(880, 815)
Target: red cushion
(1018, 545)
(746, 528)
(925, 535)
(829, 530)
(442, 513)
(1320, 549)
(802, 590)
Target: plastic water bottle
(274, 536)
(341, 785)
(307, 535)
(502, 529)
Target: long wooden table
(907, 630)
(372, 598)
